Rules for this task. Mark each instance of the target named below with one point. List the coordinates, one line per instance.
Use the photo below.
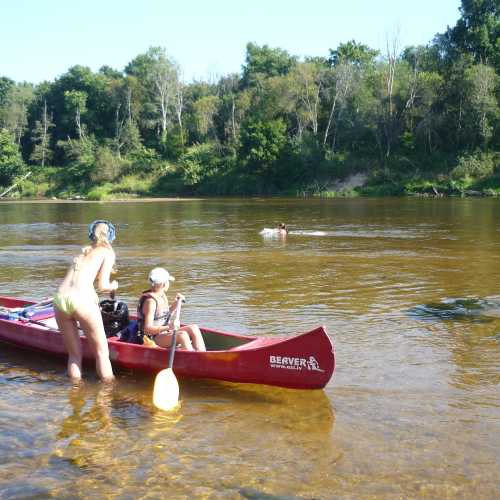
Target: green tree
(11, 162)
(99, 107)
(5, 85)
(306, 81)
(14, 112)
(76, 104)
(204, 110)
(352, 53)
(264, 62)
(80, 162)
(482, 84)
(41, 137)
(262, 144)
(477, 32)
(159, 76)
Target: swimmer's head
(102, 232)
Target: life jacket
(159, 319)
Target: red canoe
(305, 361)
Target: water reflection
(222, 438)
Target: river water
(408, 290)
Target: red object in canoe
(306, 361)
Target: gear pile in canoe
(304, 361)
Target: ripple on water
(468, 309)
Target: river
(408, 289)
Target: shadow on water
(468, 309)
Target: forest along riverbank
(283, 125)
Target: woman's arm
(103, 282)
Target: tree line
(409, 118)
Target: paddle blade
(166, 390)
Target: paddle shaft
(174, 335)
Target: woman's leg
(182, 338)
(89, 317)
(71, 338)
(196, 337)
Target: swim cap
(111, 230)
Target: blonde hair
(100, 238)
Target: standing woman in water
(77, 301)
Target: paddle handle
(174, 335)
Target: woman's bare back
(86, 268)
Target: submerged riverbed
(407, 288)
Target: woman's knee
(184, 340)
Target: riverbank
(349, 182)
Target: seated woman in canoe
(77, 301)
(154, 313)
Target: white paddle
(166, 389)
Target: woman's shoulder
(104, 251)
(147, 296)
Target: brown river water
(408, 289)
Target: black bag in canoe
(115, 316)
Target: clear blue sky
(41, 39)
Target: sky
(41, 39)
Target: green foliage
(204, 110)
(80, 162)
(143, 161)
(16, 101)
(11, 162)
(134, 184)
(262, 144)
(199, 161)
(475, 166)
(107, 166)
(33, 189)
(353, 53)
(477, 31)
(264, 62)
(99, 193)
(5, 86)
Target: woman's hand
(113, 286)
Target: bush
(382, 190)
(133, 184)
(33, 189)
(79, 156)
(199, 162)
(107, 165)
(99, 193)
(476, 166)
(143, 161)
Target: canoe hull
(305, 361)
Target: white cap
(160, 275)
